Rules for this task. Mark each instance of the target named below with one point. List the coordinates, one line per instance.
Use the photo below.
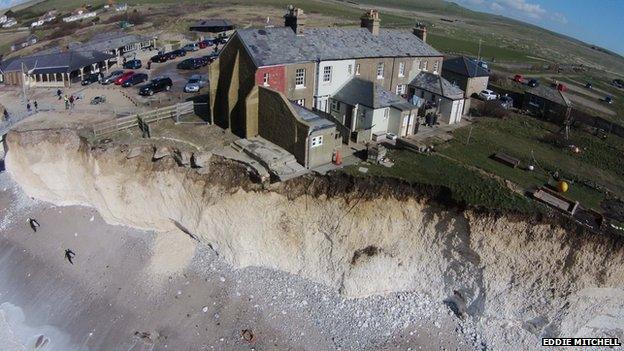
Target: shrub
(492, 109)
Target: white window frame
(300, 76)
(400, 89)
(357, 69)
(327, 74)
(401, 69)
(436, 63)
(316, 141)
(424, 65)
(380, 70)
(265, 79)
(300, 102)
(335, 105)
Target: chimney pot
(420, 30)
(295, 19)
(370, 20)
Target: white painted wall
(340, 76)
(379, 122)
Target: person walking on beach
(28, 107)
(33, 224)
(66, 102)
(71, 101)
(59, 93)
(69, 255)
(36, 106)
(6, 115)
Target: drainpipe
(317, 67)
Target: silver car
(111, 77)
(195, 83)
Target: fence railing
(174, 112)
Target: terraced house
(310, 66)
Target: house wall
(307, 92)
(468, 85)
(451, 110)
(368, 69)
(232, 77)
(340, 76)
(379, 123)
(394, 122)
(13, 78)
(277, 77)
(323, 154)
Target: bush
(492, 109)
(65, 29)
(134, 17)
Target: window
(401, 69)
(335, 105)
(423, 65)
(265, 79)
(300, 78)
(380, 70)
(417, 64)
(327, 74)
(400, 89)
(300, 102)
(435, 66)
(357, 69)
(317, 141)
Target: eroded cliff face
(363, 237)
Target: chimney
(295, 19)
(421, 31)
(370, 20)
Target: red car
(124, 77)
(518, 78)
(202, 44)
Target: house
(436, 91)
(216, 25)
(22, 43)
(53, 70)
(310, 65)
(10, 22)
(115, 43)
(548, 103)
(121, 7)
(79, 14)
(307, 135)
(3, 19)
(466, 73)
(367, 109)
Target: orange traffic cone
(337, 158)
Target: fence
(119, 124)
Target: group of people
(34, 224)
(69, 101)
(29, 107)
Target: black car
(589, 85)
(221, 40)
(176, 53)
(608, 99)
(91, 78)
(190, 64)
(133, 64)
(160, 58)
(532, 83)
(155, 86)
(135, 79)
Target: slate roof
(434, 83)
(357, 91)
(209, 23)
(550, 94)
(315, 121)
(464, 66)
(63, 62)
(280, 45)
(104, 42)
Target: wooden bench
(506, 159)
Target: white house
(10, 22)
(78, 15)
(3, 19)
(437, 91)
(367, 109)
(332, 76)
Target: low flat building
(548, 103)
(116, 43)
(466, 74)
(216, 25)
(53, 70)
(366, 108)
(28, 41)
(436, 91)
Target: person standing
(66, 102)
(36, 106)
(71, 101)
(59, 93)
(28, 106)
(69, 255)
(6, 115)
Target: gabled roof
(104, 42)
(434, 83)
(464, 66)
(280, 45)
(550, 94)
(63, 62)
(361, 92)
(310, 118)
(212, 25)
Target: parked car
(176, 53)
(608, 99)
(618, 83)
(91, 78)
(98, 100)
(189, 64)
(133, 64)
(487, 95)
(533, 83)
(204, 60)
(209, 58)
(221, 40)
(135, 79)
(506, 102)
(124, 77)
(195, 83)
(588, 85)
(561, 87)
(160, 58)
(518, 78)
(191, 47)
(391, 136)
(206, 43)
(112, 77)
(156, 85)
